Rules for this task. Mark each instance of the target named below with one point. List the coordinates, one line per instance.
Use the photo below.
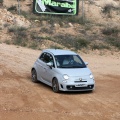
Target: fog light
(90, 86)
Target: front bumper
(77, 87)
(74, 88)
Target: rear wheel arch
(53, 79)
(32, 69)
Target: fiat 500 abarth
(63, 70)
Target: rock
(56, 25)
(70, 24)
(9, 18)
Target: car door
(40, 67)
(48, 72)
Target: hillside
(100, 28)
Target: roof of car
(60, 52)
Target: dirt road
(20, 99)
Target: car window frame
(46, 54)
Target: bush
(33, 45)
(56, 47)
(28, 15)
(7, 42)
(1, 1)
(6, 25)
(99, 46)
(81, 43)
(71, 41)
(107, 8)
(12, 8)
(66, 40)
(110, 31)
(16, 28)
(114, 42)
(20, 35)
(12, 29)
(46, 30)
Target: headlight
(66, 77)
(91, 76)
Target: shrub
(35, 37)
(71, 41)
(28, 15)
(12, 29)
(17, 41)
(7, 42)
(1, 1)
(46, 30)
(21, 28)
(20, 35)
(66, 40)
(56, 47)
(114, 42)
(33, 45)
(12, 8)
(16, 28)
(6, 25)
(99, 46)
(81, 43)
(107, 8)
(110, 31)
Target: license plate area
(81, 85)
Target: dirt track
(20, 99)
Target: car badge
(80, 79)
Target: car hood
(75, 71)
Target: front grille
(79, 81)
(72, 87)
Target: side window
(46, 57)
(42, 57)
(49, 58)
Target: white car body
(69, 76)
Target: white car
(63, 70)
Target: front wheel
(34, 76)
(55, 85)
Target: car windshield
(69, 61)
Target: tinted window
(69, 61)
(46, 57)
(42, 56)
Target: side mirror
(86, 63)
(50, 64)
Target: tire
(55, 85)
(34, 76)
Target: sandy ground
(20, 99)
